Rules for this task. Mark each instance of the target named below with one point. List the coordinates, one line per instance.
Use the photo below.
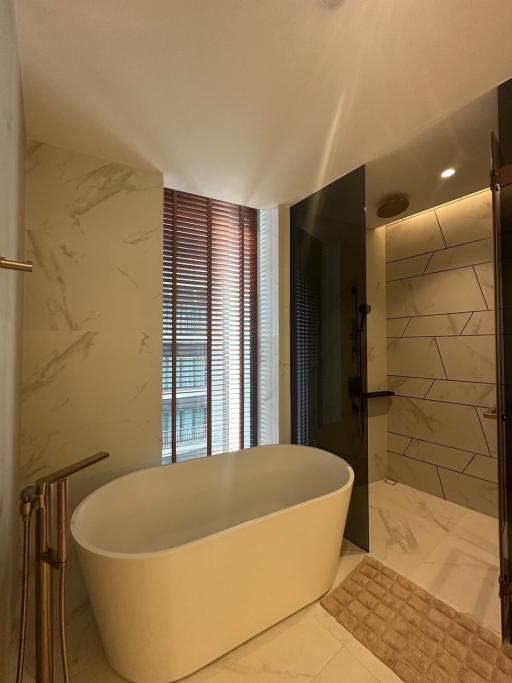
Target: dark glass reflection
(328, 289)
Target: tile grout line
(480, 287)
(435, 443)
(437, 272)
(441, 229)
(440, 357)
(447, 469)
(433, 315)
(434, 251)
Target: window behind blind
(209, 326)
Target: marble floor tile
(457, 561)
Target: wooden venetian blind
(209, 326)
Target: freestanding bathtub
(185, 562)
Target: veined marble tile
(490, 428)
(483, 467)
(413, 387)
(415, 473)
(473, 493)
(470, 358)
(298, 648)
(485, 275)
(444, 456)
(415, 265)
(468, 393)
(467, 219)
(412, 236)
(446, 292)
(398, 443)
(481, 322)
(437, 325)
(462, 255)
(344, 666)
(406, 524)
(414, 357)
(449, 424)
(396, 326)
(465, 577)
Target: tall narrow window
(209, 327)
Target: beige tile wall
(441, 357)
(92, 347)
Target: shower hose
(26, 513)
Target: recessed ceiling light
(448, 172)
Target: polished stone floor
(447, 549)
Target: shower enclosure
(328, 337)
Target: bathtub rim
(96, 550)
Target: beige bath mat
(420, 638)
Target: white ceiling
(253, 101)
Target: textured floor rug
(420, 638)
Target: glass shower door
(501, 185)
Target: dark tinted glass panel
(328, 287)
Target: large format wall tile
(397, 270)
(436, 325)
(449, 424)
(413, 236)
(414, 387)
(485, 275)
(419, 475)
(398, 443)
(471, 492)
(481, 322)
(469, 393)
(466, 220)
(451, 291)
(469, 358)
(441, 355)
(462, 255)
(451, 458)
(483, 468)
(396, 326)
(414, 357)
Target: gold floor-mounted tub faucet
(38, 499)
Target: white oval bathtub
(185, 562)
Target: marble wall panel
(92, 351)
(413, 387)
(396, 326)
(483, 468)
(415, 357)
(485, 275)
(469, 358)
(474, 493)
(11, 286)
(450, 291)
(413, 236)
(409, 267)
(448, 424)
(467, 219)
(469, 254)
(468, 393)
(437, 325)
(398, 443)
(481, 322)
(449, 337)
(419, 475)
(444, 456)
